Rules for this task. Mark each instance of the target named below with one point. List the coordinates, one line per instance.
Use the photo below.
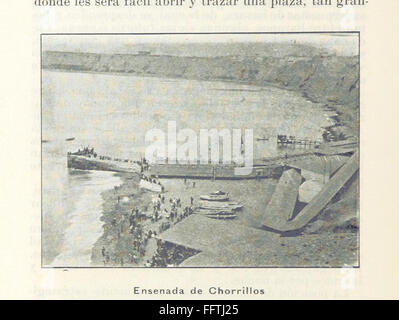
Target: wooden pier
(271, 167)
(294, 141)
(214, 171)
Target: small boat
(216, 196)
(220, 205)
(222, 217)
(70, 139)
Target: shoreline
(114, 247)
(255, 70)
(339, 130)
(128, 238)
(85, 212)
(110, 216)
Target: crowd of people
(174, 214)
(169, 255)
(136, 236)
(152, 180)
(130, 231)
(136, 228)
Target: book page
(187, 149)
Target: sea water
(112, 113)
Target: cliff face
(332, 80)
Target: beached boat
(215, 205)
(216, 196)
(151, 186)
(215, 212)
(70, 139)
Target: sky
(339, 43)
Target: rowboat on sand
(215, 196)
(222, 216)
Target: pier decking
(210, 171)
(270, 167)
(85, 163)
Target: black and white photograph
(222, 150)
